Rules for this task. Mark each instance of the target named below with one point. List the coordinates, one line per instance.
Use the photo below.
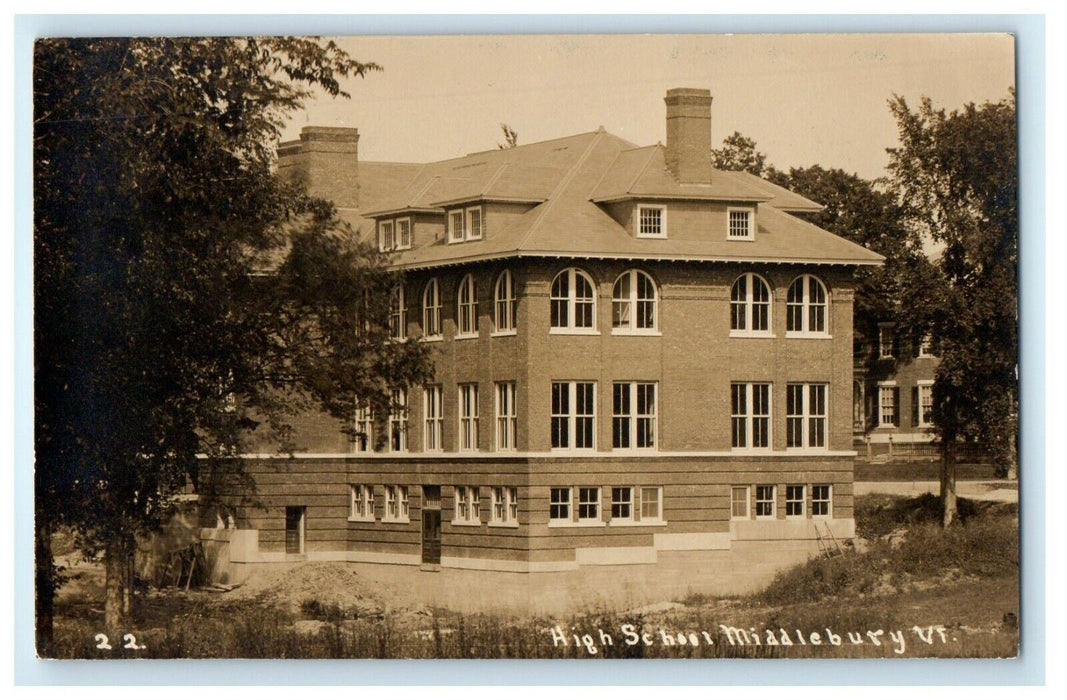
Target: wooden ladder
(829, 546)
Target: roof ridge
(554, 197)
(648, 161)
(604, 175)
(504, 151)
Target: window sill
(801, 451)
(504, 525)
(503, 334)
(746, 239)
(814, 336)
(638, 332)
(637, 523)
(397, 521)
(653, 236)
(577, 452)
(576, 523)
(752, 334)
(573, 331)
(636, 451)
(431, 338)
(751, 450)
(360, 520)
(465, 336)
(467, 523)
(740, 518)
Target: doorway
(431, 524)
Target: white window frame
(571, 303)
(361, 503)
(572, 416)
(504, 304)
(598, 503)
(452, 230)
(924, 386)
(807, 416)
(398, 314)
(773, 501)
(829, 501)
(468, 232)
(623, 502)
(467, 413)
(386, 236)
(506, 417)
(888, 387)
(568, 504)
(399, 244)
(431, 310)
(806, 305)
(396, 504)
(886, 337)
(467, 311)
(633, 417)
(790, 489)
(652, 519)
(468, 500)
(505, 507)
(751, 213)
(749, 303)
(632, 303)
(433, 418)
(748, 503)
(398, 421)
(926, 348)
(639, 209)
(363, 424)
(750, 417)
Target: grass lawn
(908, 589)
(919, 470)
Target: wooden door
(431, 524)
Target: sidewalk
(1003, 491)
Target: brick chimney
(689, 135)
(326, 159)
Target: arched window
(750, 304)
(398, 314)
(633, 302)
(467, 307)
(504, 302)
(573, 300)
(431, 309)
(805, 306)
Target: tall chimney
(689, 134)
(326, 159)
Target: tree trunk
(948, 481)
(45, 587)
(115, 567)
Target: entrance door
(431, 524)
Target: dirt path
(1000, 491)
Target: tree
(739, 152)
(186, 299)
(511, 137)
(955, 175)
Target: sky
(805, 98)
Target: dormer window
(651, 221)
(386, 241)
(394, 234)
(465, 225)
(403, 234)
(741, 224)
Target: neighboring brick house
(643, 377)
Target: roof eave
(402, 210)
(444, 204)
(610, 199)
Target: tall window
(396, 503)
(820, 500)
(474, 223)
(465, 224)
(888, 400)
(386, 241)
(765, 501)
(398, 421)
(633, 415)
(750, 304)
(468, 417)
(559, 504)
(750, 413)
(588, 503)
(364, 428)
(398, 314)
(805, 306)
(886, 339)
(505, 505)
(805, 415)
(467, 307)
(925, 402)
(403, 234)
(926, 346)
(362, 502)
(506, 422)
(455, 226)
(794, 501)
(651, 503)
(468, 504)
(434, 421)
(431, 309)
(651, 221)
(573, 301)
(633, 302)
(504, 303)
(573, 415)
(740, 224)
(739, 502)
(295, 529)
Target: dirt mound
(320, 585)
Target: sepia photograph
(546, 346)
